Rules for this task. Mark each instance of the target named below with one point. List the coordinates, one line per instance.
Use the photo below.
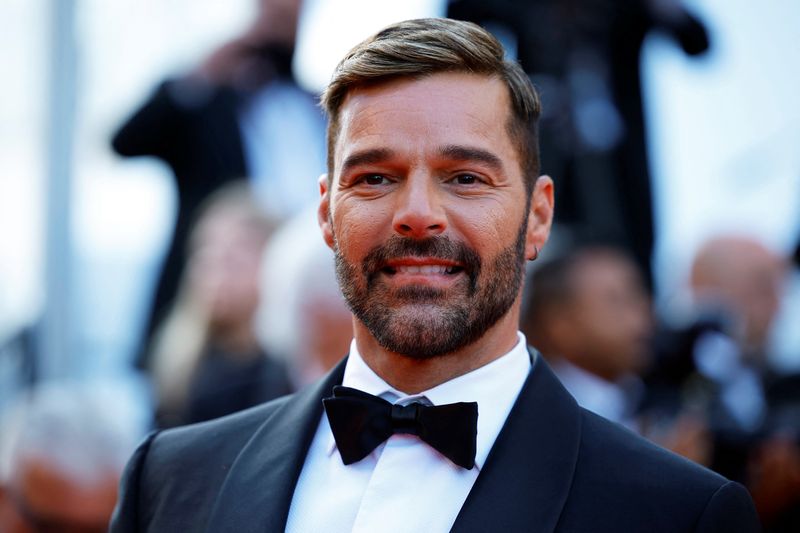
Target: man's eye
(374, 179)
(466, 179)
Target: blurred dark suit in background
(584, 56)
(206, 126)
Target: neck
(238, 340)
(411, 375)
(606, 374)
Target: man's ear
(540, 217)
(324, 212)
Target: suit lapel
(526, 478)
(523, 485)
(258, 489)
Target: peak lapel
(526, 478)
(258, 490)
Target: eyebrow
(452, 151)
(467, 153)
(366, 157)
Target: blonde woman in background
(206, 361)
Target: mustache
(437, 247)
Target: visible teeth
(423, 269)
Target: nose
(419, 212)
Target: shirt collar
(494, 386)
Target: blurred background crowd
(160, 262)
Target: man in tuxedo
(440, 418)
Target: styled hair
(422, 47)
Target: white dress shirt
(404, 485)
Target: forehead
(598, 272)
(419, 114)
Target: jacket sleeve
(127, 513)
(729, 510)
(154, 128)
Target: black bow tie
(361, 421)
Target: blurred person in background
(206, 360)
(716, 366)
(62, 450)
(584, 55)
(239, 113)
(589, 313)
(304, 318)
(740, 280)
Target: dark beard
(434, 326)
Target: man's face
(224, 267)
(610, 319)
(40, 499)
(427, 211)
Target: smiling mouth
(424, 270)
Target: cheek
(596, 324)
(490, 228)
(359, 228)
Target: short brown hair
(418, 48)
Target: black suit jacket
(554, 467)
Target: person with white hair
(62, 451)
(302, 316)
